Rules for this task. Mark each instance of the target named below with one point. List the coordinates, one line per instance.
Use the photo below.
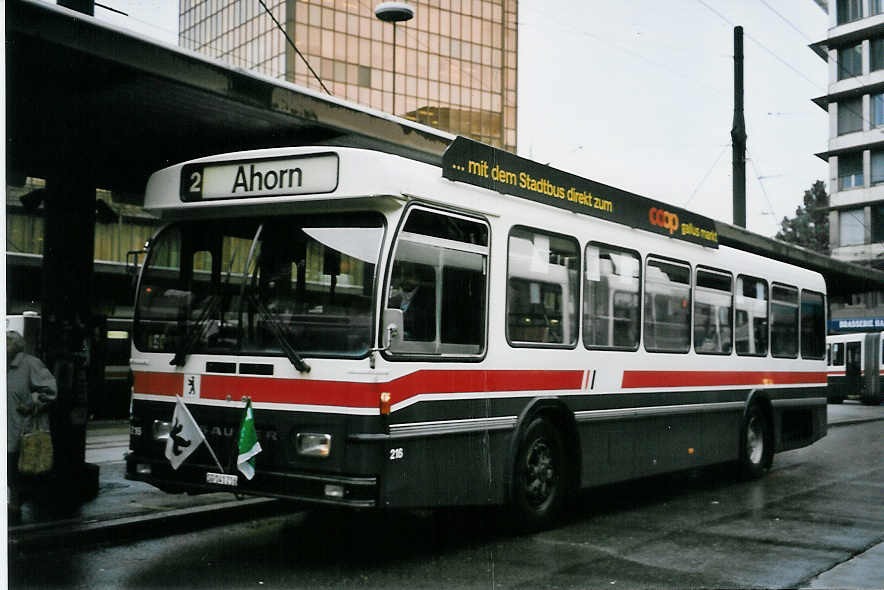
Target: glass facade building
(455, 63)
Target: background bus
(854, 362)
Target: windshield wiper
(279, 332)
(196, 332)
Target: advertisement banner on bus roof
(482, 165)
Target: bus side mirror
(392, 328)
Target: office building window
(877, 108)
(850, 171)
(877, 166)
(851, 226)
(364, 73)
(876, 7)
(850, 61)
(877, 223)
(849, 11)
(876, 54)
(850, 115)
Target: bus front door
(871, 391)
(853, 369)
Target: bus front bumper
(311, 488)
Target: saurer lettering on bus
(663, 219)
(255, 180)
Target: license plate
(222, 479)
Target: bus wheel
(836, 400)
(539, 479)
(756, 443)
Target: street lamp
(394, 12)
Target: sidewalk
(134, 509)
(128, 509)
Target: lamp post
(394, 12)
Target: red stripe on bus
(158, 383)
(635, 379)
(360, 395)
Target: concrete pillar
(834, 231)
(68, 253)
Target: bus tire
(836, 400)
(539, 484)
(756, 443)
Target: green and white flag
(248, 443)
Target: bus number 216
(396, 454)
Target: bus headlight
(160, 430)
(314, 445)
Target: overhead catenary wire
(762, 46)
(760, 184)
(292, 43)
(840, 68)
(705, 176)
(228, 56)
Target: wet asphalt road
(817, 508)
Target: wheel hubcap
(540, 475)
(755, 440)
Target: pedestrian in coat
(30, 389)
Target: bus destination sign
(314, 173)
(482, 165)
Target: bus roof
(300, 173)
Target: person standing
(30, 390)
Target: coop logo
(663, 219)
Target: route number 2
(196, 182)
(396, 454)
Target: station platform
(125, 509)
(128, 510)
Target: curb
(855, 421)
(73, 533)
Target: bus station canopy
(115, 106)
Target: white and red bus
(494, 332)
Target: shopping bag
(35, 453)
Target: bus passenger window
(611, 298)
(712, 312)
(837, 354)
(784, 321)
(542, 288)
(667, 323)
(813, 325)
(438, 281)
(751, 316)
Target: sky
(639, 95)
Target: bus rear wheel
(539, 479)
(756, 443)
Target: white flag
(184, 437)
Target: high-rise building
(455, 63)
(855, 101)
(854, 50)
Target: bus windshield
(260, 286)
